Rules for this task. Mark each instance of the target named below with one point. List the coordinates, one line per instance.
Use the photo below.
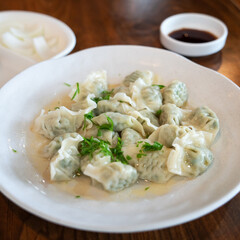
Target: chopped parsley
(147, 147)
(77, 196)
(160, 86)
(76, 92)
(158, 113)
(57, 108)
(139, 142)
(146, 188)
(89, 145)
(117, 153)
(67, 84)
(105, 126)
(105, 95)
(88, 116)
(14, 150)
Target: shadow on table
(213, 61)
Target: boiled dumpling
(95, 84)
(189, 161)
(153, 166)
(145, 96)
(66, 161)
(176, 93)
(50, 149)
(114, 176)
(166, 134)
(205, 119)
(152, 97)
(147, 77)
(113, 106)
(170, 114)
(191, 155)
(130, 136)
(85, 103)
(58, 122)
(120, 121)
(98, 160)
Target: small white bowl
(52, 28)
(198, 22)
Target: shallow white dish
(12, 62)
(195, 21)
(52, 27)
(22, 98)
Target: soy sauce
(192, 35)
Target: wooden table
(106, 22)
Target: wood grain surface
(109, 22)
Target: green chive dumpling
(58, 122)
(95, 83)
(152, 97)
(153, 166)
(98, 159)
(114, 176)
(189, 161)
(50, 149)
(170, 114)
(67, 160)
(205, 119)
(120, 121)
(175, 93)
(113, 106)
(130, 136)
(166, 134)
(147, 76)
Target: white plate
(22, 98)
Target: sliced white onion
(38, 31)
(13, 42)
(42, 48)
(28, 41)
(19, 33)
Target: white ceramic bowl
(193, 21)
(52, 28)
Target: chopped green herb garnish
(67, 84)
(139, 155)
(160, 86)
(77, 196)
(89, 145)
(88, 116)
(117, 153)
(105, 95)
(139, 143)
(76, 92)
(147, 147)
(128, 157)
(146, 188)
(158, 113)
(14, 150)
(105, 126)
(56, 108)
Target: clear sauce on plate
(83, 186)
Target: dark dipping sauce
(192, 35)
